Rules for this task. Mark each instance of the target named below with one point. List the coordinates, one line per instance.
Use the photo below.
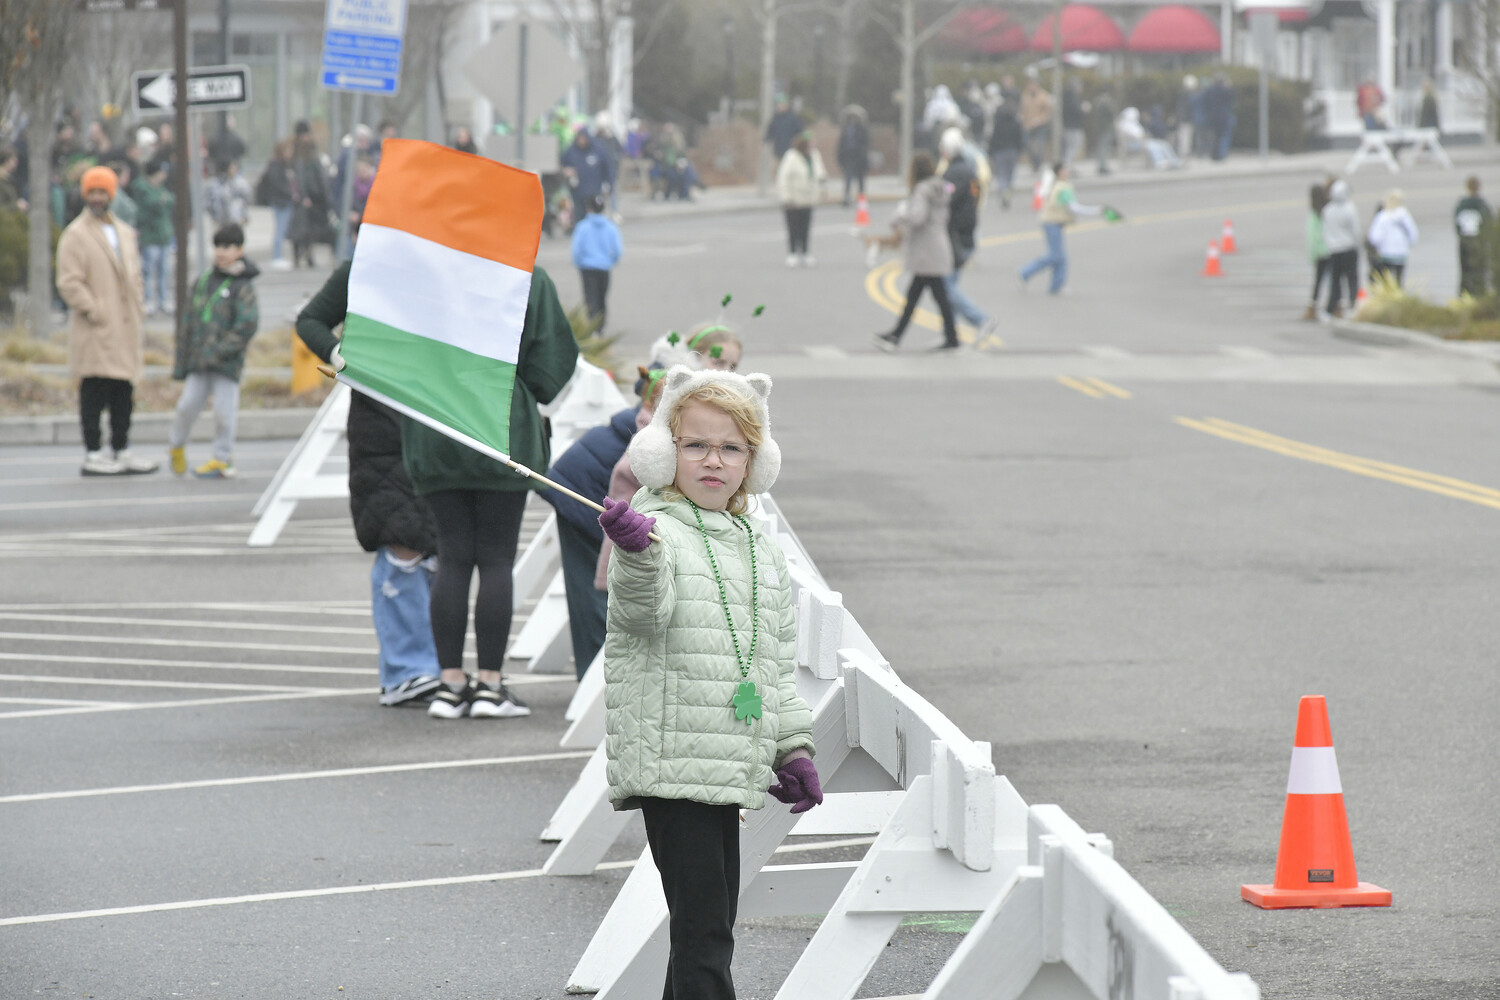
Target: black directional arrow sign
(209, 88)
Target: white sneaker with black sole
(410, 690)
(96, 463)
(496, 703)
(449, 702)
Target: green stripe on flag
(459, 389)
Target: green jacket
(1316, 248)
(324, 311)
(154, 205)
(223, 315)
(670, 670)
(548, 355)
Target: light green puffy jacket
(669, 665)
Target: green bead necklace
(746, 703)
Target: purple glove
(626, 527)
(799, 785)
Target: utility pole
(180, 170)
(909, 42)
(1057, 80)
(767, 90)
(223, 53)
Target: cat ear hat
(653, 454)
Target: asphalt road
(1119, 546)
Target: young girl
(1317, 251)
(923, 224)
(1061, 208)
(702, 710)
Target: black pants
(934, 283)
(798, 228)
(1318, 274)
(586, 605)
(696, 848)
(95, 395)
(850, 181)
(595, 290)
(1343, 271)
(476, 528)
(1380, 268)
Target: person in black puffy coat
(390, 520)
(585, 468)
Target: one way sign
(210, 88)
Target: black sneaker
(449, 702)
(496, 703)
(887, 342)
(410, 690)
(945, 346)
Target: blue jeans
(399, 603)
(154, 273)
(1056, 258)
(282, 219)
(961, 303)
(1226, 134)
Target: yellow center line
(1446, 486)
(1113, 390)
(1080, 386)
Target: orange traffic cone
(862, 211)
(1360, 296)
(1036, 196)
(1211, 268)
(1226, 242)
(1315, 862)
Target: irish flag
(438, 288)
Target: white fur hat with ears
(671, 349)
(653, 454)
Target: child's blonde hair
(743, 410)
(705, 336)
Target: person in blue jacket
(585, 468)
(588, 169)
(596, 250)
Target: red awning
(1174, 29)
(983, 31)
(1084, 29)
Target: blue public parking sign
(362, 45)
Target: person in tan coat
(99, 277)
(1036, 122)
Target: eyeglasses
(732, 455)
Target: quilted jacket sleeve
(794, 718)
(643, 588)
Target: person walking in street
(478, 503)
(799, 185)
(854, 150)
(1472, 219)
(155, 204)
(588, 169)
(1218, 112)
(1005, 142)
(1060, 209)
(1342, 235)
(596, 251)
(1317, 249)
(277, 188)
(1392, 235)
(703, 711)
(963, 218)
(1036, 122)
(390, 520)
(223, 315)
(785, 126)
(922, 220)
(99, 277)
(310, 224)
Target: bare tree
(429, 28)
(1479, 52)
(591, 23)
(36, 34)
(104, 49)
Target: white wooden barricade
(1073, 924)
(300, 476)
(1377, 143)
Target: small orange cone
(1036, 196)
(1211, 268)
(1315, 862)
(1226, 242)
(862, 212)
(1360, 296)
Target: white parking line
(270, 607)
(54, 701)
(122, 500)
(122, 682)
(193, 703)
(264, 647)
(127, 661)
(344, 890)
(185, 623)
(261, 779)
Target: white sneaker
(808, 260)
(282, 264)
(96, 463)
(791, 260)
(131, 465)
(872, 255)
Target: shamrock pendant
(747, 703)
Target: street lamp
(728, 69)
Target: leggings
(1343, 270)
(798, 226)
(476, 528)
(1318, 275)
(939, 289)
(95, 395)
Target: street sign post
(362, 45)
(209, 88)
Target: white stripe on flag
(433, 291)
(1314, 772)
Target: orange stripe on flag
(464, 202)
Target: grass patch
(1463, 318)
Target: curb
(1379, 335)
(153, 428)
